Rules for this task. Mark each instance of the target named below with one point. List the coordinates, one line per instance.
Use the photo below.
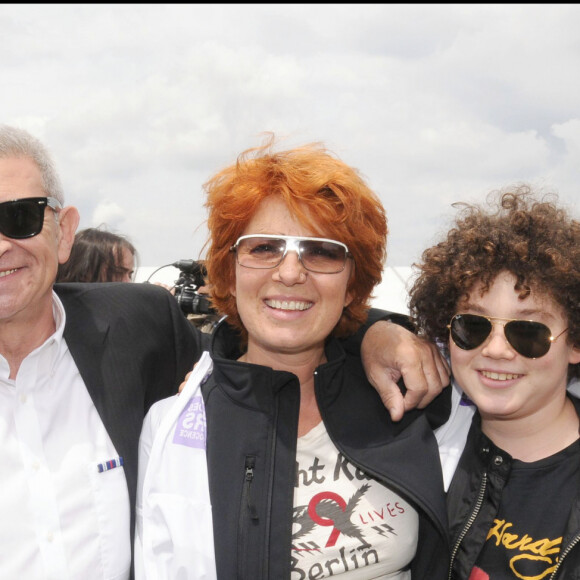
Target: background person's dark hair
(97, 256)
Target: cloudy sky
(141, 103)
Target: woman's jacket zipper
(248, 512)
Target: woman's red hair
(324, 193)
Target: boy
(501, 294)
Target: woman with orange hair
(308, 475)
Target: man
(80, 364)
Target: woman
(98, 255)
(501, 294)
(308, 475)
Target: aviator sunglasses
(527, 337)
(24, 218)
(315, 254)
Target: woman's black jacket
(252, 421)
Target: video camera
(192, 276)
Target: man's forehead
(19, 177)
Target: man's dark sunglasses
(527, 337)
(24, 218)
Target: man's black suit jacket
(132, 346)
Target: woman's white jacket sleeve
(174, 531)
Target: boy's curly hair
(520, 231)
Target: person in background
(306, 473)
(80, 365)
(98, 255)
(501, 294)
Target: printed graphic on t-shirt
(513, 552)
(478, 574)
(191, 426)
(524, 541)
(344, 521)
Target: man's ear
(68, 221)
(574, 356)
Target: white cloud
(141, 103)
(109, 213)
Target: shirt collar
(59, 317)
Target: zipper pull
(249, 477)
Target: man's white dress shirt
(64, 503)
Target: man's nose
(5, 244)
